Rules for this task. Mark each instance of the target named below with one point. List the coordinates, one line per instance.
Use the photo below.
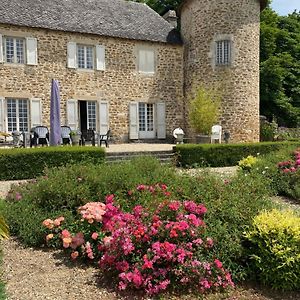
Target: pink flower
(109, 198)
(218, 264)
(141, 187)
(95, 235)
(209, 242)
(48, 223)
(107, 240)
(18, 196)
(65, 233)
(49, 237)
(74, 254)
(174, 205)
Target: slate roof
(116, 18)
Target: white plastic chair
(216, 134)
(41, 135)
(66, 135)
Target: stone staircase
(165, 156)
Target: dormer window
(223, 52)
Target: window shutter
(161, 120)
(146, 61)
(31, 48)
(35, 112)
(1, 49)
(133, 121)
(100, 57)
(103, 117)
(72, 114)
(72, 55)
(2, 123)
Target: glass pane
(23, 115)
(9, 50)
(149, 117)
(11, 115)
(89, 57)
(142, 119)
(20, 51)
(91, 110)
(80, 57)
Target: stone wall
(119, 84)
(202, 23)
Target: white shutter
(1, 49)
(72, 55)
(35, 112)
(100, 57)
(103, 117)
(2, 124)
(146, 61)
(161, 120)
(31, 48)
(133, 121)
(72, 114)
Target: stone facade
(179, 70)
(202, 24)
(119, 84)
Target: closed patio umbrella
(55, 129)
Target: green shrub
(222, 155)
(30, 163)
(248, 162)
(274, 249)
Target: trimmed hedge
(223, 155)
(30, 163)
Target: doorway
(146, 120)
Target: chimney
(170, 16)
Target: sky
(284, 7)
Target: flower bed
(148, 251)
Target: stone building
(122, 66)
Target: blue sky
(284, 7)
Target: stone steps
(166, 156)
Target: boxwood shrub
(274, 249)
(30, 163)
(222, 155)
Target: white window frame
(17, 112)
(146, 49)
(85, 57)
(15, 60)
(223, 52)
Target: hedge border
(224, 155)
(30, 162)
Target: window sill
(144, 74)
(85, 70)
(14, 65)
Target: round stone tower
(221, 51)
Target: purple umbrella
(55, 129)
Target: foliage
(274, 249)
(204, 110)
(30, 163)
(146, 251)
(248, 162)
(222, 155)
(290, 175)
(280, 67)
(268, 131)
(4, 230)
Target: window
(85, 57)
(223, 52)
(17, 114)
(146, 61)
(14, 50)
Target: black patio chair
(87, 135)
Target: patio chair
(104, 138)
(87, 135)
(66, 135)
(40, 136)
(216, 134)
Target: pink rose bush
(148, 251)
(290, 166)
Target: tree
(161, 6)
(204, 110)
(280, 67)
